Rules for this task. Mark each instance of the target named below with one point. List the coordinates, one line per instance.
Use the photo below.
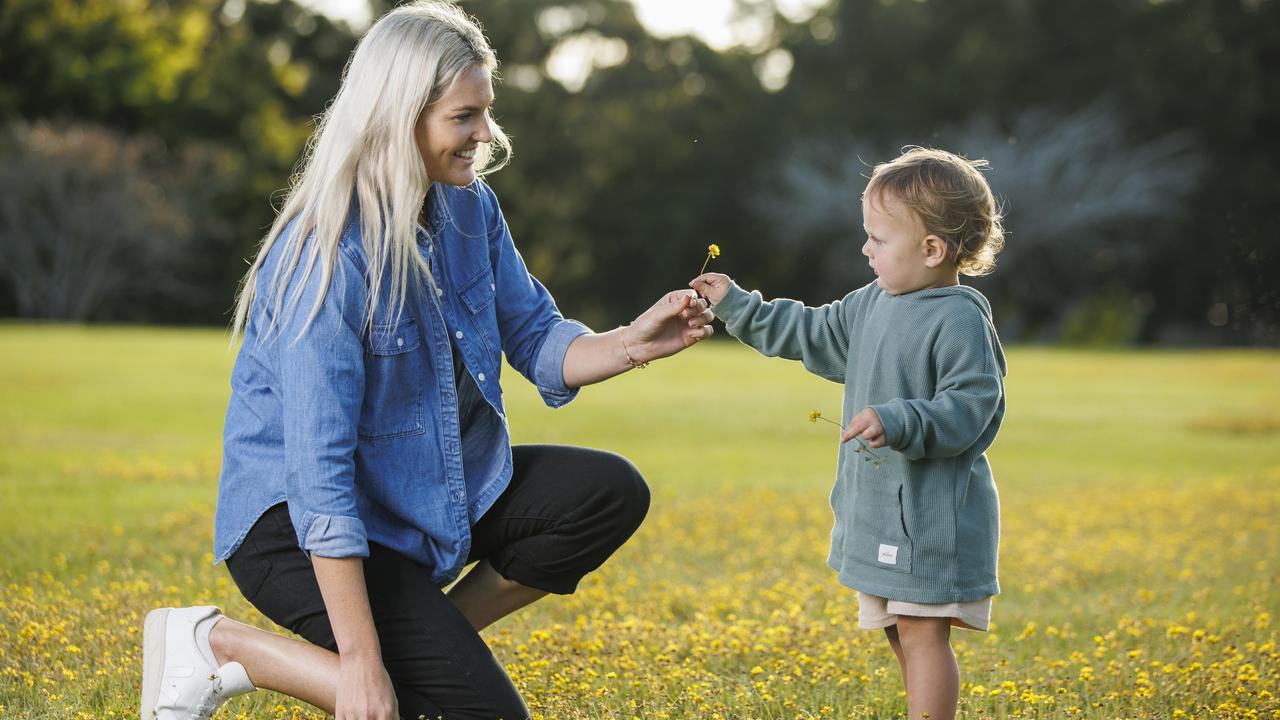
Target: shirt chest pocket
(477, 296)
(393, 378)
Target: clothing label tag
(889, 554)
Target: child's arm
(969, 392)
(781, 328)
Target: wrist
(630, 352)
(361, 654)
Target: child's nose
(866, 248)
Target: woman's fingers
(703, 318)
(697, 307)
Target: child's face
(897, 246)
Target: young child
(917, 524)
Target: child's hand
(867, 424)
(711, 286)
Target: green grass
(1137, 487)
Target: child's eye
(463, 117)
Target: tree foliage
(1129, 140)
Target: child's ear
(935, 251)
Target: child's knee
(922, 632)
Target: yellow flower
(713, 251)
(813, 414)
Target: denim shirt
(359, 430)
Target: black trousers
(566, 511)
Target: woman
(366, 452)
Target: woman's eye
(463, 117)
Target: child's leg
(891, 632)
(933, 679)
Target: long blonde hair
(364, 144)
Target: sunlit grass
(1140, 556)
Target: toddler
(917, 519)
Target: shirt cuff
(893, 422)
(548, 370)
(335, 536)
(734, 301)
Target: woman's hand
(679, 319)
(711, 286)
(364, 690)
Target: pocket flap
(394, 340)
(477, 293)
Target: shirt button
(458, 334)
(480, 377)
(399, 342)
(439, 292)
(492, 286)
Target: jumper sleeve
(322, 387)
(816, 336)
(535, 336)
(968, 393)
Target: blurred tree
(626, 169)
(1075, 192)
(890, 73)
(95, 225)
(242, 76)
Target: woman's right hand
(364, 690)
(712, 286)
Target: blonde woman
(366, 453)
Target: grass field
(1140, 558)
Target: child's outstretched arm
(818, 337)
(970, 391)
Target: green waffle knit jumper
(924, 526)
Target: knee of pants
(627, 495)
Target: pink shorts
(875, 612)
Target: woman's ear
(935, 251)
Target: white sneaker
(181, 679)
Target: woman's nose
(484, 133)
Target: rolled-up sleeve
(535, 336)
(322, 388)
(548, 371)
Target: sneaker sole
(152, 661)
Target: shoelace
(210, 701)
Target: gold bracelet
(635, 365)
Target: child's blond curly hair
(953, 200)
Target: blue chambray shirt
(358, 430)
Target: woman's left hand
(679, 319)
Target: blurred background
(144, 144)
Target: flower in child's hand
(713, 251)
(815, 416)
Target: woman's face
(449, 130)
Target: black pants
(566, 511)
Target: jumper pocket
(902, 513)
(878, 535)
